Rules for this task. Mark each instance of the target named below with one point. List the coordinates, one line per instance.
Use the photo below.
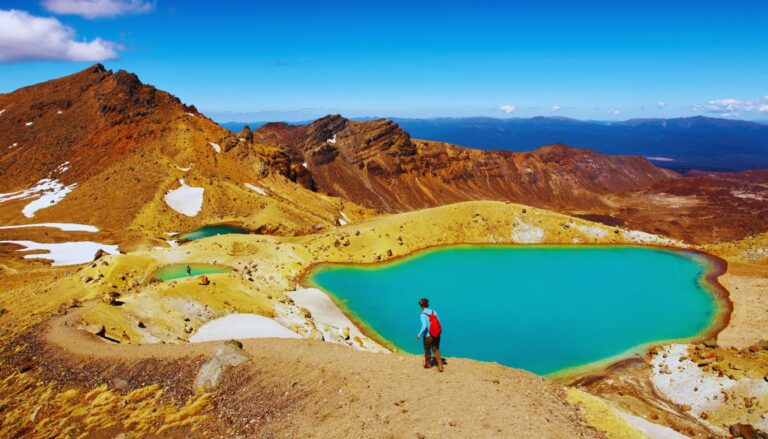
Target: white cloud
(26, 37)
(616, 112)
(508, 108)
(661, 104)
(733, 107)
(98, 8)
(556, 108)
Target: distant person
(189, 270)
(431, 329)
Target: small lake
(543, 309)
(207, 231)
(177, 271)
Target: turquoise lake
(543, 309)
(177, 271)
(207, 231)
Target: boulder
(246, 134)
(99, 253)
(228, 354)
(745, 431)
(96, 329)
(204, 280)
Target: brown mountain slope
(377, 164)
(112, 147)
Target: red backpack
(434, 325)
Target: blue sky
(295, 60)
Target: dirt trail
(310, 388)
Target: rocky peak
(246, 134)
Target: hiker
(189, 270)
(431, 329)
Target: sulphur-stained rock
(228, 354)
(204, 280)
(110, 298)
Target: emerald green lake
(543, 309)
(177, 271)
(206, 231)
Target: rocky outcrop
(377, 164)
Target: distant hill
(681, 144)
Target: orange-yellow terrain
(92, 346)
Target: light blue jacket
(425, 321)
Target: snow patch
(215, 146)
(51, 192)
(172, 244)
(332, 140)
(256, 189)
(183, 169)
(304, 165)
(65, 253)
(29, 124)
(190, 114)
(47, 191)
(650, 429)
(187, 200)
(64, 227)
(62, 168)
(2, 111)
(660, 159)
(59, 112)
(527, 234)
(13, 146)
(239, 326)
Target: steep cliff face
(377, 164)
(102, 148)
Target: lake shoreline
(714, 268)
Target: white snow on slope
(304, 165)
(183, 169)
(64, 227)
(29, 123)
(332, 140)
(256, 189)
(2, 111)
(186, 200)
(65, 253)
(215, 146)
(14, 145)
(190, 114)
(62, 168)
(650, 429)
(47, 191)
(53, 192)
(239, 326)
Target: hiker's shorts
(431, 343)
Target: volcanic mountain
(104, 149)
(378, 165)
